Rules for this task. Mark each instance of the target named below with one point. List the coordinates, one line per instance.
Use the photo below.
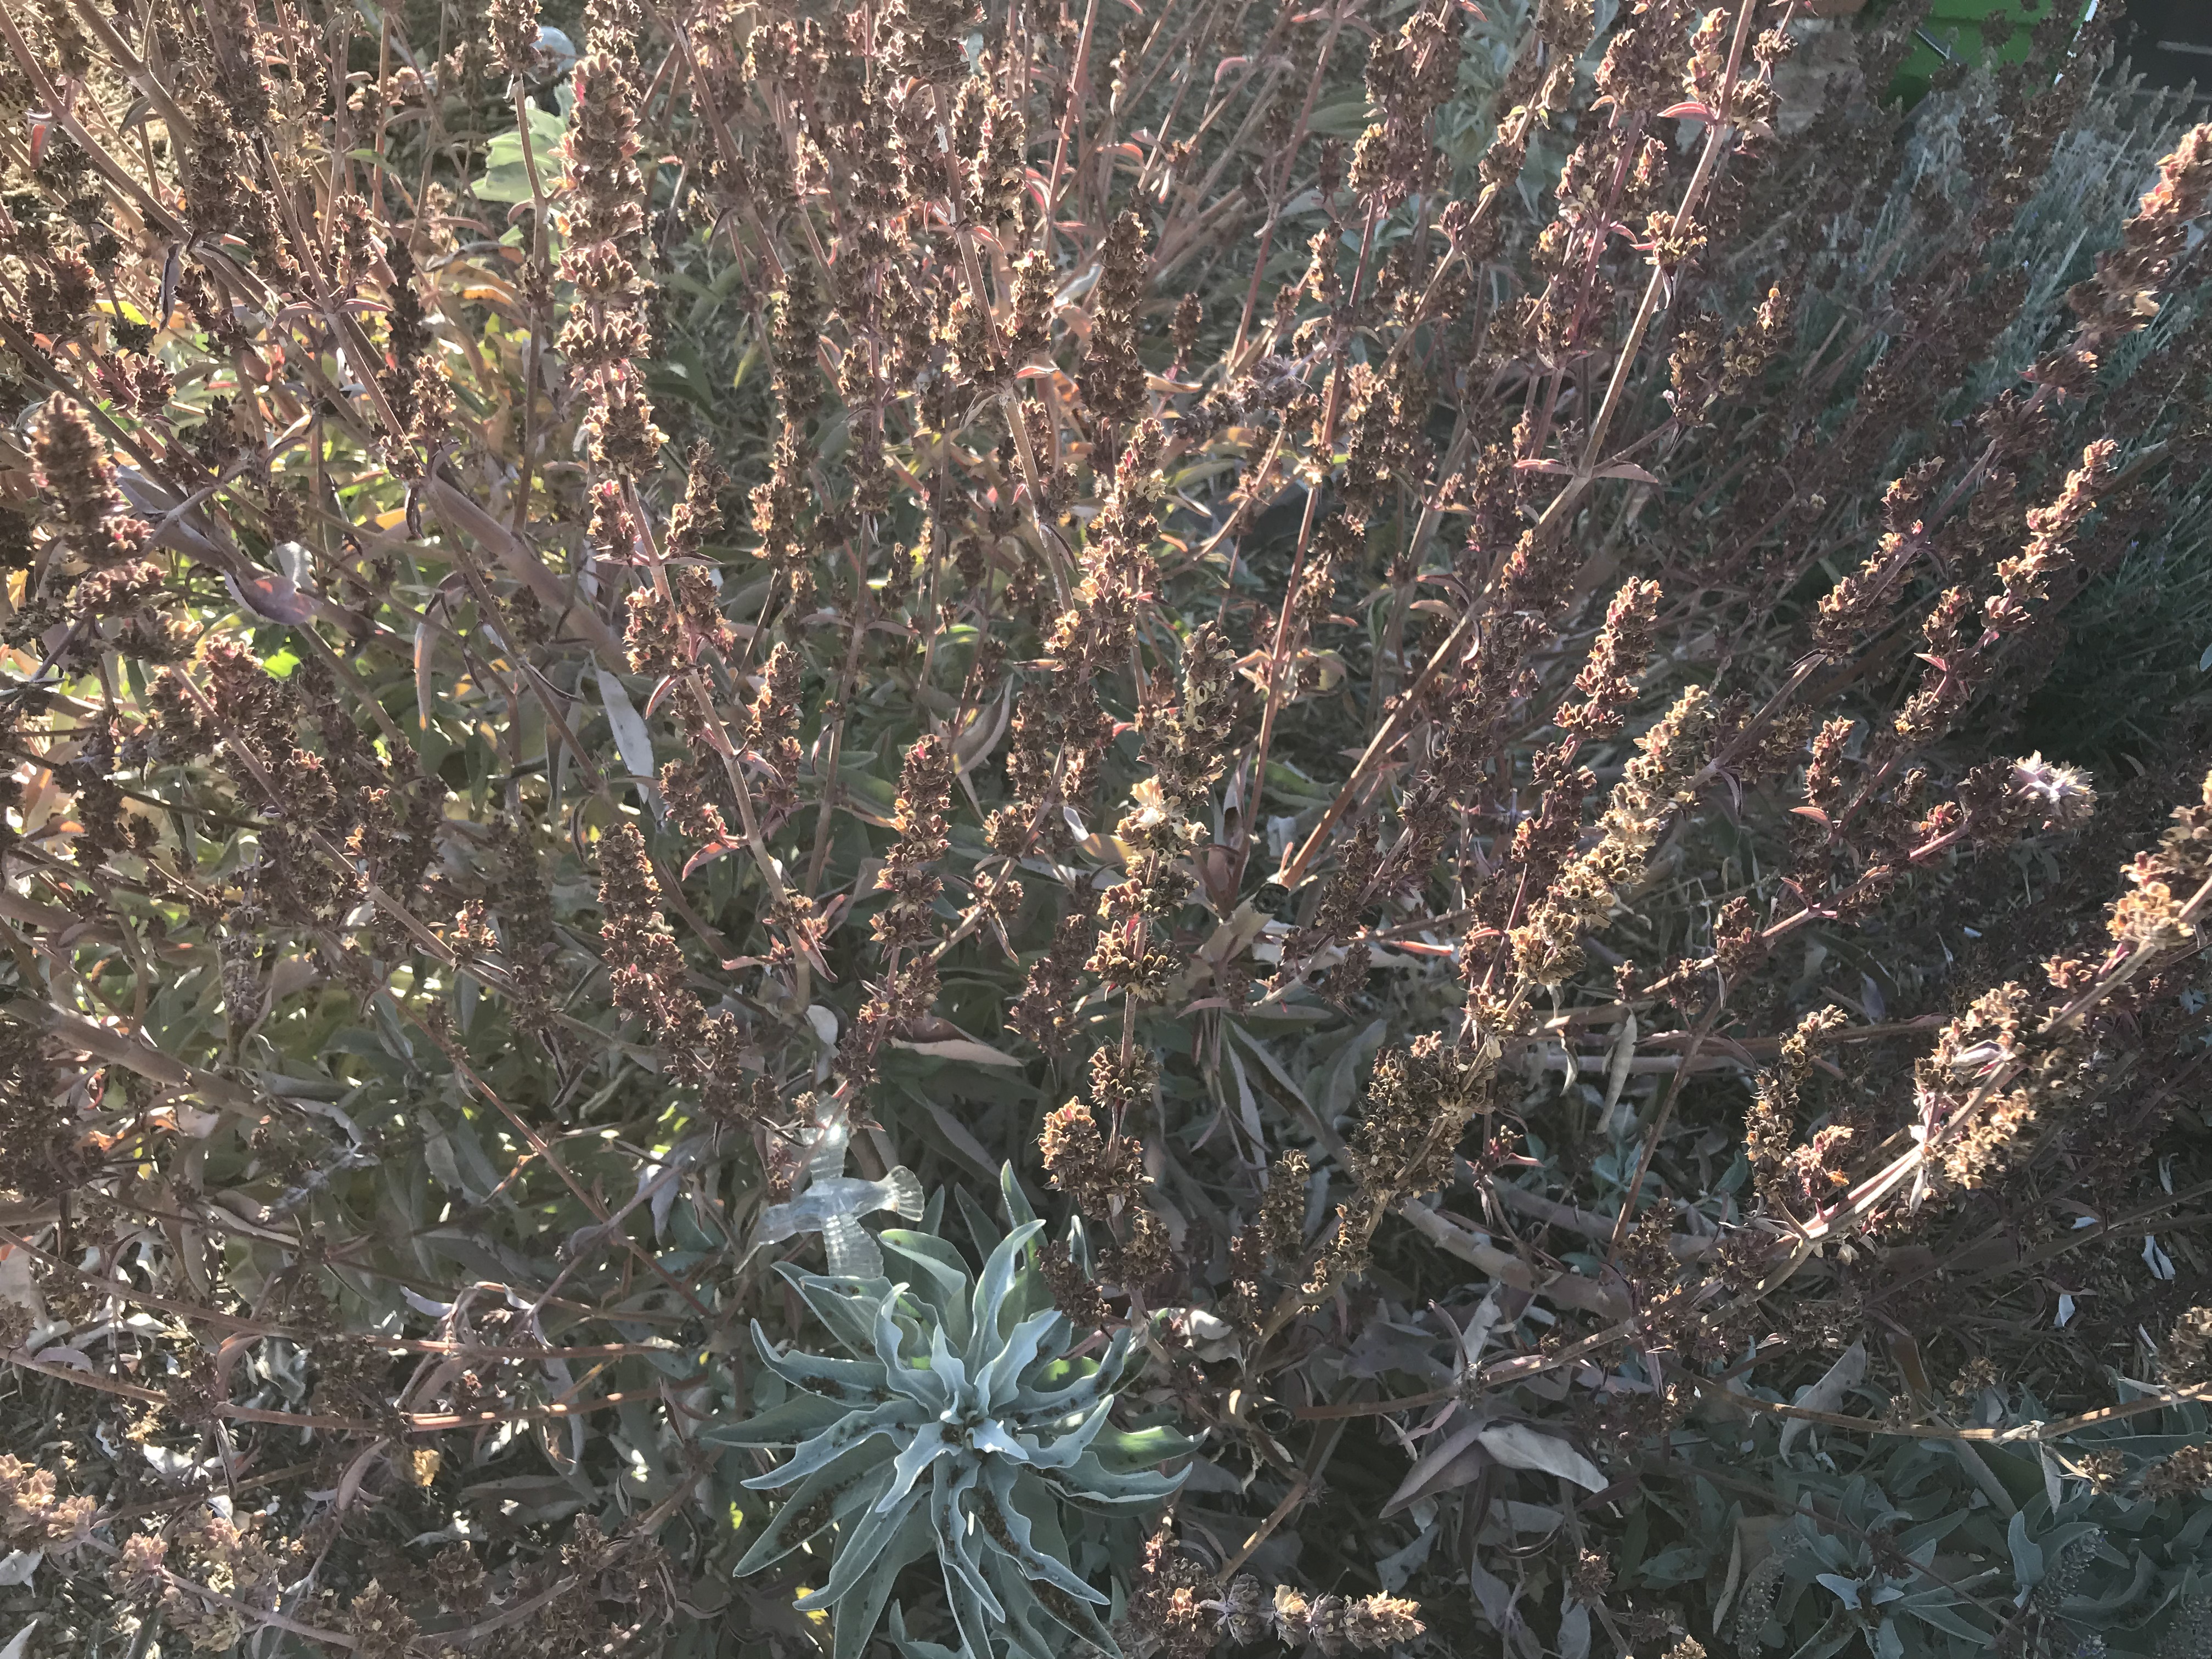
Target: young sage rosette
(964, 1418)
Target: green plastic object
(1953, 30)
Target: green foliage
(1947, 1544)
(960, 1422)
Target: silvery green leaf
(1847, 1589)
(847, 1307)
(1519, 1447)
(800, 1416)
(1827, 1394)
(858, 1478)
(943, 1280)
(1090, 1482)
(999, 1380)
(1027, 1634)
(931, 1444)
(1836, 1553)
(985, 1232)
(1392, 1570)
(1212, 1337)
(999, 1482)
(1033, 1500)
(863, 1377)
(1575, 1631)
(926, 1387)
(945, 1365)
(2079, 1605)
(990, 1437)
(957, 1533)
(1018, 1209)
(855, 1619)
(1142, 1448)
(1078, 1246)
(1939, 1609)
(817, 1452)
(1079, 1394)
(1046, 1383)
(633, 739)
(1494, 1596)
(912, 1646)
(969, 1615)
(1058, 1339)
(2026, 1554)
(1074, 1441)
(1927, 1534)
(991, 1289)
(507, 175)
(2061, 1539)
(1029, 1294)
(857, 1552)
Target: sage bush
(971, 829)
